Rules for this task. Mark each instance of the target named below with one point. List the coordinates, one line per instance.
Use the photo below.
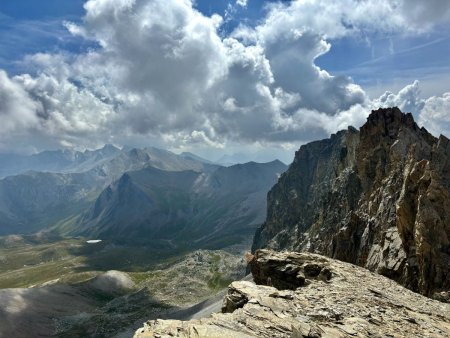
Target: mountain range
(55, 161)
(377, 197)
(206, 209)
(135, 195)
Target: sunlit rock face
(306, 295)
(377, 197)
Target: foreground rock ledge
(307, 295)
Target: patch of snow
(93, 241)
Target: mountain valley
(144, 234)
(67, 287)
(224, 169)
(121, 233)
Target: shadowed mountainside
(184, 208)
(378, 197)
(71, 181)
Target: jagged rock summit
(305, 295)
(378, 197)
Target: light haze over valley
(226, 168)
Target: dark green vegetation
(28, 261)
(71, 291)
(36, 260)
(156, 214)
(217, 280)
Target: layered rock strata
(305, 295)
(378, 197)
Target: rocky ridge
(51, 189)
(183, 209)
(308, 295)
(378, 197)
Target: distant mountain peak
(110, 146)
(195, 157)
(277, 162)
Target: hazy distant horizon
(252, 78)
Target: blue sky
(397, 58)
(288, 49)
(386, 62)
(29, 26)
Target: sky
(250, 79)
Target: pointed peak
(387, 122)
(390, 115)
(109, 146)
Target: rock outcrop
(306, 295)
(378, 197)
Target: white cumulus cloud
(164, 72)
(435, 115)
(242, 3)
(18, 110)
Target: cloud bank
(164, 73)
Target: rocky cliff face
(378, 197)
(304, 295)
